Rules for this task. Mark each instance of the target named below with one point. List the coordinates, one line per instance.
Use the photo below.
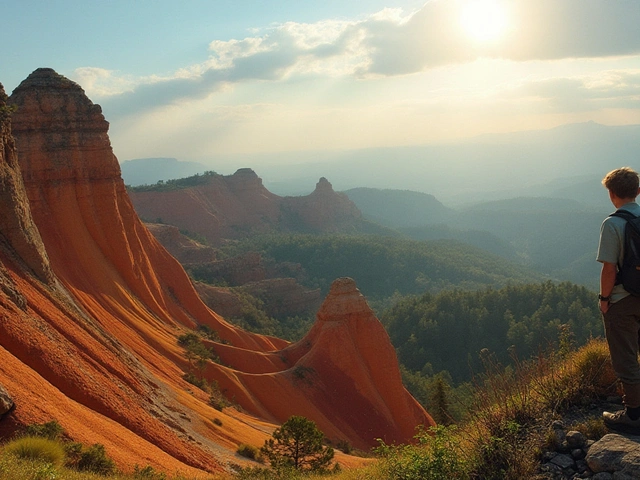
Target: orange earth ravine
(95, 345)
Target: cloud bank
(389, 43)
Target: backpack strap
(626, 214)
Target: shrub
(437, 456)
(73, 451)
(249, 451)
(36, 448)
(147, 473)
(94, 459)
(216, 398)
(201, 383)
(51, 430)
(344, 446)
(592, 428)
(208, 332)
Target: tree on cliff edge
(298, 444)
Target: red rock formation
(344, 375)
(324, 210)
(16, 223)
(93, 345)
(238, 205)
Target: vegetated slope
(93, 345)
(447, 331)
(399, 208)
(218, 207)
(559, 238)
(384, 265)
(481, 239)
(556, 237)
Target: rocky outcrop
(238, 205)
(6, 402)
(323, 211)
(96, 242)
(616, 454)
(343, 374)
(103, 347)
(17, 230)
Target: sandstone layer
(236, 206)
(91, 339)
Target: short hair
(622, 182)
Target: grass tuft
(36, 448)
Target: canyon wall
(220, 207)
(92, 305)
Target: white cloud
(389, 43)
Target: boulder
(616, 453)
(6, 402)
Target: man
(620, 310)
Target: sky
(202, 80)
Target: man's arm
(607, 282)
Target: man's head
(623, 183)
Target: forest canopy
(447, 331)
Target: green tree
(440, 400)
(298, 444)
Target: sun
(484, 21)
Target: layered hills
(219, 207)
(92, 306)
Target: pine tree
(298, 444)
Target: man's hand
(607, 281)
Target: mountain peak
(343, 301)
(48, 77)
(62, 133)
(324, 186)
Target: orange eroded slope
(102, 331)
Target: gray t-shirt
(611, 247)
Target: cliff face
(17, 229)
(344, 374)
(91, 314)
(238, 205)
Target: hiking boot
(620, 422)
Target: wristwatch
(604, 299)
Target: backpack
(629, 272)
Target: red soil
(95, 348)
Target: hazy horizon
(224, 80)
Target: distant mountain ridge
(567, 161)
(488, 167)
(399, 208)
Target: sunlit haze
(200, 80)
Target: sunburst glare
(484, 21)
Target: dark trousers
(622, 329)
